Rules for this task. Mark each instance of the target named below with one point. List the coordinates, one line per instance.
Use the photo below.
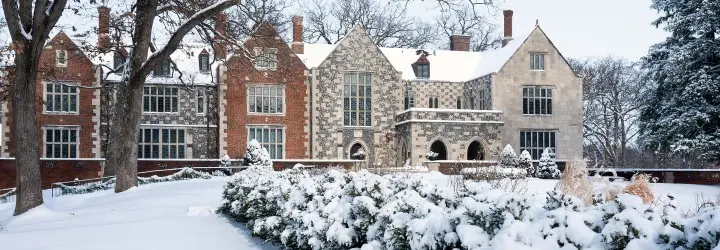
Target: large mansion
(316, 101)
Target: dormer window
(423, 70)
(118, 61)
(421, 67)
(204, 60)
(163, 69)
(61, 58)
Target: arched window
(475, 152)
(436, 102)
(458, 103)
(438, 148)
(204, 61)
(357, 152)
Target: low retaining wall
(686, 176)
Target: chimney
(507, 26)
(460, 42)
(219, 44)
(103, 28)
(297, 46)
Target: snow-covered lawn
(179, 215)
(173, 215)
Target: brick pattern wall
(290, 73)
(474, 89)
(438, 115)
(355, 53)
(78, 71)
(447, 93)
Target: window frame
(536, 149)
(204, 62)
(419, 69)
(57, 58)
(74, 128)
(161, 66)
(272, 88)
(537, 61)
(201, 100)
(181, 147)
(282, 144)
(541, 100)
(174, 99)
(61, 94)
(348, 113)
(261, 56)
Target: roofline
(556, 49)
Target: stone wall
(567, 117)
(331, 140)
(447, 93)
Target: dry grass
(575, 182)
(640, 187)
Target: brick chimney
(507, 26)
(103, 28)
(460, 42)
(219, 44)
(297, 45)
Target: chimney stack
(219, 44)
(460, 42)
(507, 26)
(103, 28)
(297, 45)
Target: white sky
(581, 28)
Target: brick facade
(289, 74)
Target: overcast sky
(583, 28)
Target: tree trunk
(27, 158)
(124, 136)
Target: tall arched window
(475, 152)
(458, 103)
(436, 102)
(438, 147)
(357, 152)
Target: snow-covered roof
(186, 59)
(445, 65)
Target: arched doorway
(439, 148)
(476, 152)
(357, 152)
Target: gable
(537, 41)
(358, 42)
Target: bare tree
(147, 49)
(29, 23)
(613, 93)
(246, 18)
(387, 23)
(465, 21)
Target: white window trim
(57, 56)
(77, 100)
(247, 101)
(269, 126)
(260, 51)
(157, 112)
(372, 80)
(44, 135)
(185, 143)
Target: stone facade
(331, 139)
(567, 115)
(419, 128)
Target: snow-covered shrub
(257, 155)
(361, 210)
(508, 158)
(431, 156)
(525, 162)
(359, 155)
(640, 187)
(183, 174)
(547, 168)
(575, 182)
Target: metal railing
(7, 195)
(86, 183)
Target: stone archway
(439, 148)
(476, 151)
(358, 152)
